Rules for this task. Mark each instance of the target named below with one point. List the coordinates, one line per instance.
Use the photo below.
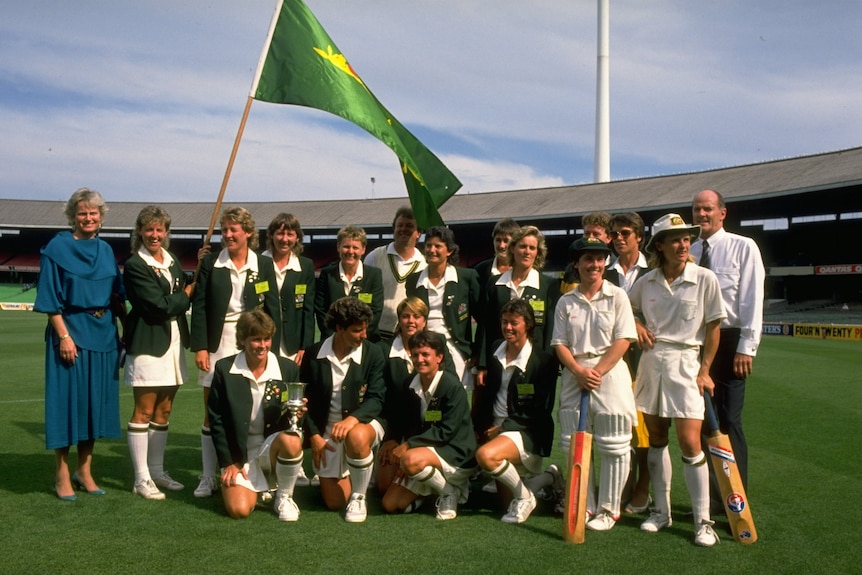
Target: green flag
(301, 65)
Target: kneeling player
(513, 412)
(434, 431)
(345, 391)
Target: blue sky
(141, 99)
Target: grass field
(803, 419)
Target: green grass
(803, 420)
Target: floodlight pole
(603, 147)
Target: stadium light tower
(603, 145)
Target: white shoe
(302, 479)
(705, 536)
(148, 490)
(315, 481)
(287, 508)
(656, 522)
(356, 509)
(206, 487)
(520, 509)
(447, 505)
(602, 522)
(490, 487)
(165, 481)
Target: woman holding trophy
(254, 422)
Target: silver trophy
(295, 393)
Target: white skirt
(166, 370)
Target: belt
(94, 311)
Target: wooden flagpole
(217, 207)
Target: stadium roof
(772, 179)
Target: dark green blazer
(632, 356)
(229, 407)
(212, 295)
(329, 288)
(495, 296)
(530, 408)
(362, 392)
(461, 303)
(147, 330)
(395, 372)
(451, 435)
(297, 306)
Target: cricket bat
(733, 495)
(580, 449)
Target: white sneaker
(705, 536)
(148, 490)
(447, 505)
(490, 487)
(302, 479)
(602, 522)
(356, 509)
(165, 481)
(315, 481)
(520, 509)
(286, 508)
(206, 487)
(656, 522)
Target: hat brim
(693, 231)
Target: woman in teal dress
(80, 287)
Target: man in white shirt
(737, 263)
(397, 260)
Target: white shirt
(257, 386)
(678, 312)
(737, 263)
(280, 273)
(249, 272)
(627, 279)
(501, 404)
(425, 396)
(348, 282)
(532, 280)
(339, 372)
(397, 351)
(436, 321)
(591, 326)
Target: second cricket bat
(733, 495)
(580, 451)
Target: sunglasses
(621, 233)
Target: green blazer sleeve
(154, 307)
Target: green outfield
(803, 418)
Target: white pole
(603, 122)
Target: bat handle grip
(709, 414)
(585, 406)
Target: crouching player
(345, 392)
(593, 328)
(248, 421)
(513, 413)
(435, 436)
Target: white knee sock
(136, 434)
(507, 474)
(361, 471)
(158, 435)
(433, 478)
(697, 481)
(660, 472)
(286, 472)
(209, 459)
